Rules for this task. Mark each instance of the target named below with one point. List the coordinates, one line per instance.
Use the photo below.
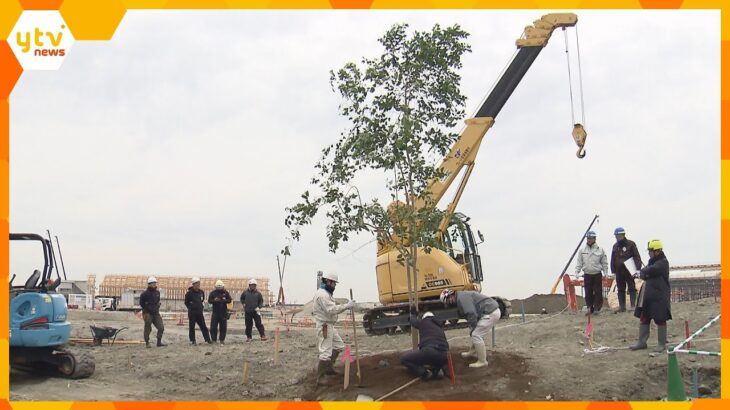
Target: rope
(570, 78)
(517, 324)
(580, 79)
(697, 352)
(695, 334)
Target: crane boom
(463, 152)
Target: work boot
(621, 302)
(322, 366)
(160, 344)
(147, 344)
(661, 337)
(471, 354)
(632, 298)
(643, 337)
(331, 368)
(481, 350)
(427, 375)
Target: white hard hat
(151, 279)
(194, 280)
(252, 282)
(427, 314)
(331, 276)
(219, 284)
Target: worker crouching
(481, 312)
(430, 360)
(325, 311)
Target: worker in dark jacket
(252, 301)
(654, 297)
(481, 312)
(430, 359)
(219, 299)
(623, 250)
(194, 299)
(149, 300)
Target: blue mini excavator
(39, 326)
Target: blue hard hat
(619, 231)
(590, 234)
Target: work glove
(350, 304)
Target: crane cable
(579, 132)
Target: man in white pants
(482, 313)
(325, 311)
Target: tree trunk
(414, 269)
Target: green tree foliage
(403, 107)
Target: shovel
(364, 397)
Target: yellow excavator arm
(464, 151)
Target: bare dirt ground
(542, 359)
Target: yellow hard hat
(219, 284)
(655, 245)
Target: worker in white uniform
(325, 311)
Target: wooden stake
(354, 336)
(276, 347)
(347, 375)
(245, 373)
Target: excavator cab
(462, 247)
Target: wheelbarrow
(99, 333)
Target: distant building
(173, 288)
(72, 287)
(694, 282)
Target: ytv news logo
(40, 40)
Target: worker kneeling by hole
(481, 312)
(430, 360)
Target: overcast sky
(174, 148)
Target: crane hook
(580, 135)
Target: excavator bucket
(580, 135)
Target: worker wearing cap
(481, 312)
(149, 300)
(194, 299)
(325, 310)
(654, 298)
(219, 299)
(252, 301)
(593, 262)
(623, 250)
(431, 357)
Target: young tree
(403, 107)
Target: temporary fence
(569, 284)
(675, 385)
(692, 289)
